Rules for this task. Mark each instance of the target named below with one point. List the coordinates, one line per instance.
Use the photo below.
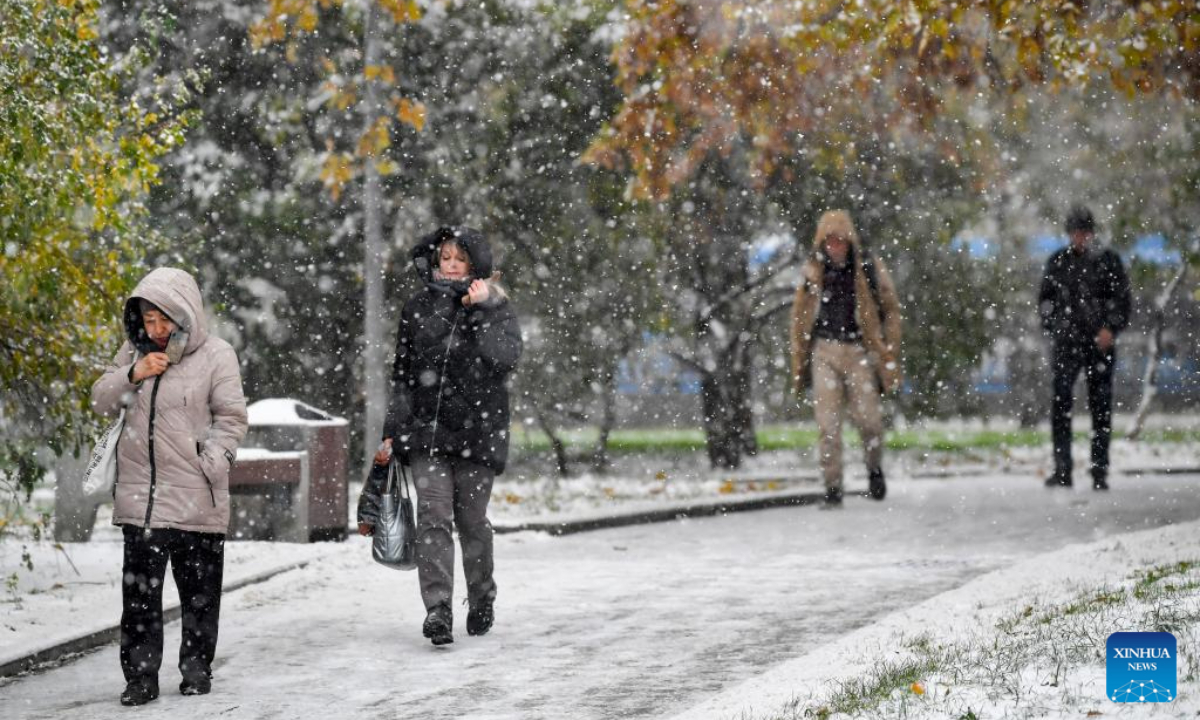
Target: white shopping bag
(101, 472)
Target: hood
(836, 222)
(176, 293)
(473, 243)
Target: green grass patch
(962, 441)
(619, 441)
(1087, 604)
(1168, 435)
(1146, 581)
(791, 437)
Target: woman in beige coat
(185, 414)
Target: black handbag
(394, 542)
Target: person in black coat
(1085, 302)
(448, 418)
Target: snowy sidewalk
(71, 600)
(643, 621)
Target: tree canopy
(76, 161)
(697, 76)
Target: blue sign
(1141, 667)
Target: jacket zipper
(153, 469)
(442, 381)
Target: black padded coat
(449, 394)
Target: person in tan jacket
(846, 340)
(185, 415)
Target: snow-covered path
(633, 622)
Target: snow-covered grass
(656, 467)
(532, 490)
(1024, 642)
(1047, 657)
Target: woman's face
(453, 262)
(158, 326)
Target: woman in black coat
(448, 418)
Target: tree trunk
(374, 254)
(74, 513)
(1154, 352)
(728, 420)
(556, 443)
(600, 459)
(744, 416)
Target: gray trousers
(453, 493)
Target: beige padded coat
(183, 427)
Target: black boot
(833, 499)
(877, 487)
(480, 616)
(438, 624)
(140, 691)
(196, 685)
(197, 677)
(1099, 481)
(1058, 480)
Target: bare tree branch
(747, 289)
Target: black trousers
(1097, 367)
(197, 562)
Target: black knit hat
(1080, 218)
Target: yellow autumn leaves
(730, 487)
(778, 72)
